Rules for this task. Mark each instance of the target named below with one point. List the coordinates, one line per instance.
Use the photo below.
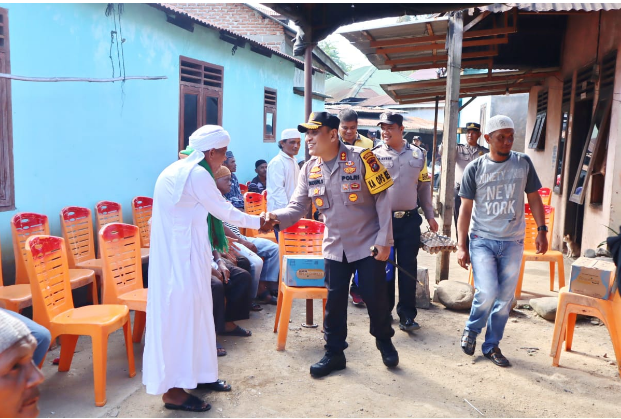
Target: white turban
(205, 138)
(498, 122)
(289, 133)
(12, 331)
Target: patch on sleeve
(424, 175)
(377, 177)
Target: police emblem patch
(349, 170)
(314, 175)
(345, 187)
(354, 186)
(349, 163)
(319, 202)
(353, 197)
(315, 191)
(343, 156)
(315, 169)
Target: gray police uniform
(412, 184)
(355, 220)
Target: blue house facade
(77, 143)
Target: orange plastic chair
(26, 224)
(77, 227)
(122, 275)
(142, 208)
(303, 238)
(570, 305)
(552, 256)
(546, 195)
(243, 188)
(107, 212)
(254, 204)
(53, 309)
(14, 297)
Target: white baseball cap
(498, 122)
(289, 133)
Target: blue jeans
(496, 269)
(40, 333)
(268, 250)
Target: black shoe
(497, 357)
(329, 363)
(468, 342)
(408, 325)
(390, 356)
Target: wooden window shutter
(269, 114)
(7, 185)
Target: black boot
(330, 362)
(390, 356)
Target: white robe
(180, 343)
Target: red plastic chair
(243, 188)
(107, 212)
(142, 209)
(546, 195)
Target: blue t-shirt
(497, 189)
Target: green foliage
(332, 51)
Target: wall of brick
(240, 19)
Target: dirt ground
(434, 377)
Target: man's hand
(382, 252)
(541, 242)
(224, 271)
(433, 225)
(216, 273)
(463, 257)
(268, 221)
(250, 246)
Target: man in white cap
(492, 194)
(283, 170)
(19, 376)
(180, 346)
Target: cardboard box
(592, 277)
(304, 271)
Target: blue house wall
(79, 143)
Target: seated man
(262, 253)
(234, 196)
(19, 376)
(257, 184)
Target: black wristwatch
(543, 228)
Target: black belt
(403, 214)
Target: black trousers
(372, 288)
(406, 233)
(237, 293)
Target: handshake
(268, 221)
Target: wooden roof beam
(439, 38)
(425, 59)
(481, 91)
(475, 21)
(440, 62)
(432, 97)
(430, 30)
(429, 47)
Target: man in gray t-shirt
(492, 193)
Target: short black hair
(348, 115)
(259, 163)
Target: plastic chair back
(243, 188)
(122, 265)
(24, 225)
(531, 226)
(77, 227)
(254, 203)
(142, 209)
(48, 270)
(303, 238)
(546, 195)
(107, 212)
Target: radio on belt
(304, 271)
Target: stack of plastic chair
(570, 305)
(552, 256)
(122, 271)
(303, 238)
(107, 212)
(254, 204)
(77, 227)
(26, 224)
(546, 195)
(14, 297)
(142, 208)
(53, 309)
(264, 193)
(243, 188)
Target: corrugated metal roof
(298, 63)
(551, 7)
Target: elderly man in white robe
(180, 346)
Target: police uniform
(355, 220)
(408, 170)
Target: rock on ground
(545, 307)
(455, 295)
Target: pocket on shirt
(417, 163)
(318, 196)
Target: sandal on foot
(218, 385)
(497, 357)
(192, 404)
(238, 331)
(220, 350)
(266, 298)
(468, 342)
(256, 307)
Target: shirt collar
(285, 155)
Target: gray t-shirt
(497, 189)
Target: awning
(497, 83)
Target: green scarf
(216, 228)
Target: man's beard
(504, 154)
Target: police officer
(408, 168)
(347, 185)
(465, 153)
